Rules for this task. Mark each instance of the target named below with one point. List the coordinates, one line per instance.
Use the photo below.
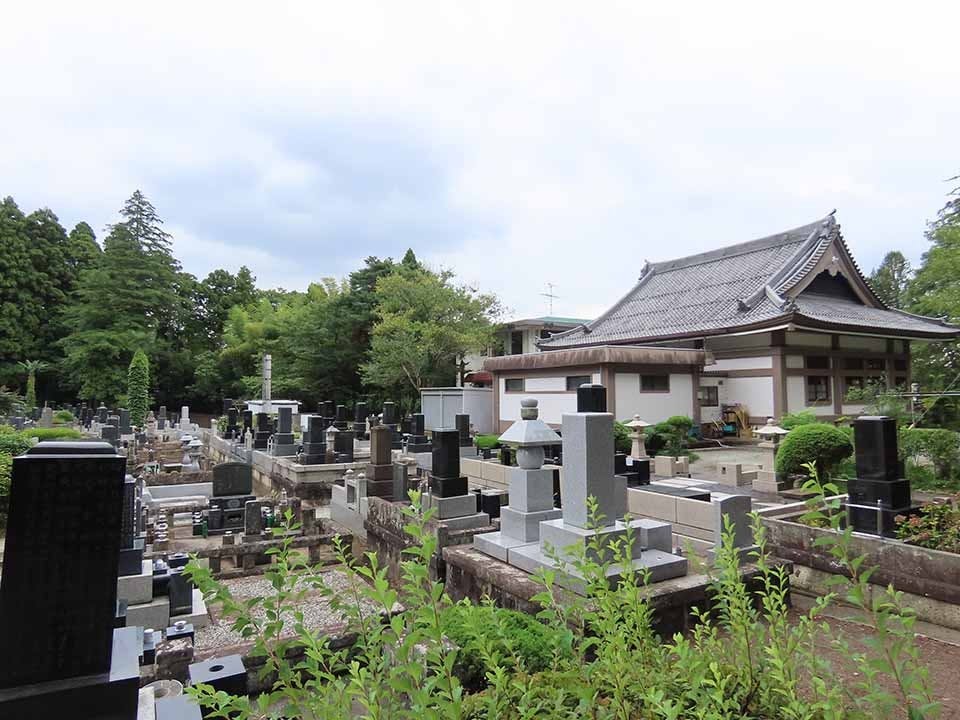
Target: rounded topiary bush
(823, 445)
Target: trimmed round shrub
(823, 445)
(621, 437)
(795, 420)
(63, 416)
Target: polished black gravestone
(263, 432)
(879, 492)
(232, 478)
(418, 443)
(360, 420)
(58, 590)
(445, 477)
(591, 398)
(314, 442)
(462, 423)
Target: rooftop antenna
(549, 294)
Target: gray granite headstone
(588, 469)
(232, 478)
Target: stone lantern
(639, 449)
(767, 478)
(332, 432)
(531, 486)
(529, 435)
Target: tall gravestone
(340, 419)
(379, 472)
(591, 398)
(58, 591)
(462, 423)
(588, 471)
(263, 432)
(314, 442)
(343, 446)
(360, 420)
(247, 421)
(102, 414)
(233, 427)
(417, 442)
(391, 421)
(162, 418)
(283, 442)
(880, 491)
(448, 497)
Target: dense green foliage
(138, 388)
(486, 442)
(940, 447)
(622, 441)
(63, 416)
(86, 311)
(825, 446)
(891, 279)
(792, 420)
(54, 433)
(935, 526)
(596, 657)
(670, 437)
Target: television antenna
(549, 294)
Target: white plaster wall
(755, 393)
(809, 339)
(653, 407)
(733, 342)
(856, 342)
(761, 362)
(797, 398)
(552, 404)
(537, 384)
(794, 361)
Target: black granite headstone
(879, 492)
(180, 592)
(225, 674)
(462, 423)
(60, 564)
(232, 478)
(875, 440)
(591, 398)
(445, 478)
(389, 414)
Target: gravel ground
(316, 609)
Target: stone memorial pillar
(448, 496)
(360, 420)
(283, 442)
(262, 433)
(418, 442)
(340, 419)
(314, 442)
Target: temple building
(775, 325)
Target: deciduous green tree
(425, 328)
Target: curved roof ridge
(793, 272)
(781, 238)
(800, 258)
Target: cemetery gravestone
(283, 442)
(462, 423)
(379, 471)
(60, 565)
(360, 420)
(314, 442)
(448, 497)
(417, 442)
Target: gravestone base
(467, 522)
(313, 459)
(865, 519)
(136, 589)
(380, 488)
(448, 487)
(498, 545)
(109, 696)
(525, 526)
(449, 507)
(561, 536)
(378, 472)
(771, 482)
(659, 564)
(413, 447)
(284, 450)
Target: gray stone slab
(467, 522)
(654, 534)
(531, 490)
(588, 469)
(736, 509)
(451, 507)
(525, 526)
(284, 450)
(563, 537)
(660, 566)
(497, 545)
(137, 589)
(154, 614)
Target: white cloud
(569, 142)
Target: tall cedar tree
(892, 278)
(128, 301)
(138, 388)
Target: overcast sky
(517, 143)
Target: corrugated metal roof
(732, 288)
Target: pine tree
(891, 279)
(138, 388)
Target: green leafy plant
(13, 442)
(55, 433)
(622, 441)
(940, 447)
(794, 420)
(31, 368)
(10, 402)
(823, 445)
(486, 442)
(670, 437)
(935, 526)
(63, 416)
